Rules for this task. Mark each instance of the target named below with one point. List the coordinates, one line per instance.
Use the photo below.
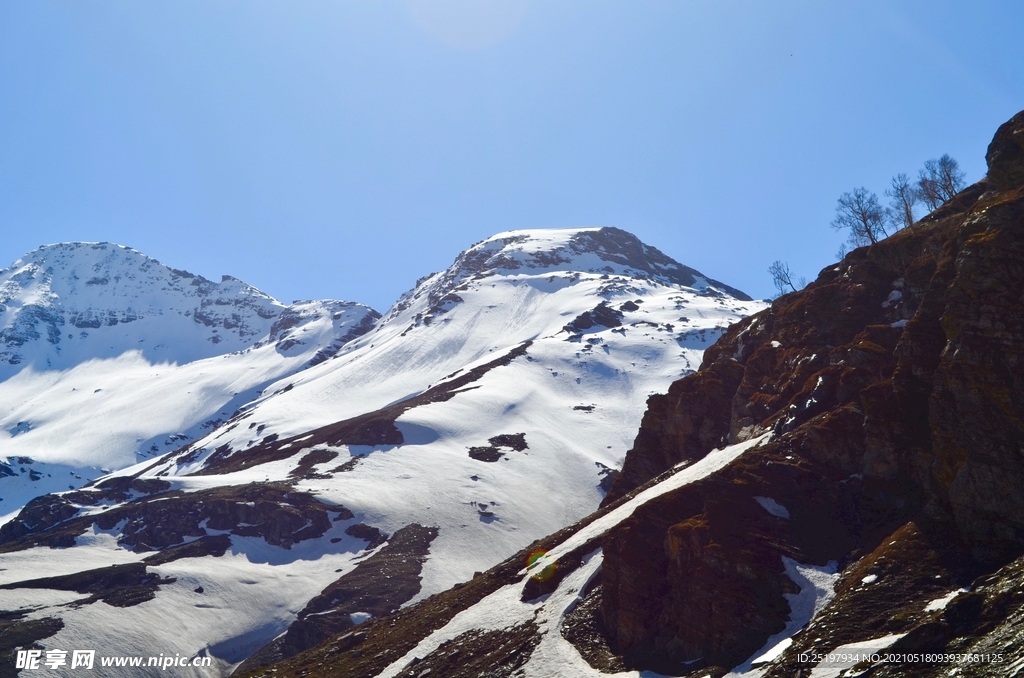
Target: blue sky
(344, 149)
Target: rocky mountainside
(837, 491)
(493, 404)
(108, 357)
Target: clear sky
(343, 149)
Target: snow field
(578, 397)
(250, 595)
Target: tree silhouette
(860, 212)
(939, 181)
(903, 196)
(782, 278)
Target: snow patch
(773, 507)
(941, 603)
(817, 588)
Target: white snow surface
(108, 357)
(817, 588)
(250, 595)
(555, 656)
(941, 603)
(507, 290)
(577, 396)
(773, 507)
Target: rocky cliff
(842, 474)
(894, 390)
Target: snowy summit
(490, 406)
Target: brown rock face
(894, 387)
(1005, 155)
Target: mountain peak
(67, 302)
(599, 251)
(596, 249)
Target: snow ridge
(592, 322)
(108, 357)
(65, 303)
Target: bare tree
(903, 196)
(782, 278)
(939, 181)
(860, 212)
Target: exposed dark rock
(493, 452)
(18, 633)
(373, 428)
(117, 585)
(1005, 155)
(368, 533)
(479, 654)
(273, 511)
(487, 453)
(886, 591)
(303, 312)
(547, 580)
(516, 441)
(304, 469)
(608, 476)
(614, 244)
(582, 628)
(376, 586)
(368, 322)
(215, 546)
(47, 511)
(602, 315)
(348, 465)
(985, 624)
(894, 389)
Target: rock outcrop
(894, 388)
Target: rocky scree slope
(489, 407)
(843, 473)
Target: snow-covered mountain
(64, 304)
(837, 491)
(108, 357)
(489, 407)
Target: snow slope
(552, 339)
(503, 609)
(577, 395)
(108, 357)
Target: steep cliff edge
(894, 389)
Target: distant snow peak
(87, 299)
(97, 332)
